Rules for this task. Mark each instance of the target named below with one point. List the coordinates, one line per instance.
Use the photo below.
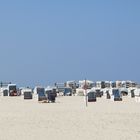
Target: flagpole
(86, 92)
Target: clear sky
(47, 41)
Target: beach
(69, 119)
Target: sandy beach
(69, 119)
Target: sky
(48, 41)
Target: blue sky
(47, 41)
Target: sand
(69, 119)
